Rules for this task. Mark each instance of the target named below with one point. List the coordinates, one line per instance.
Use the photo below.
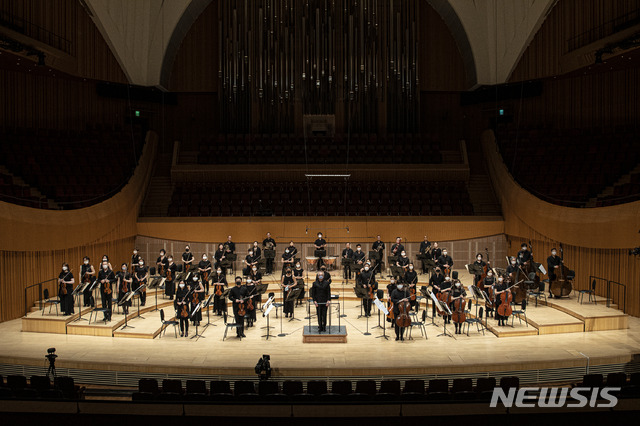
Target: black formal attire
(500, 287)
(287, 260)
(106, 298)
(366, 278)
(205, 265)
(403, 264)
(252, 290)
(229, 247)
(161, 265)
(424, 246)
(196, 298)
(182, 298)
(411, 282)
(552, 262)
(238, 293)
(141, 272)
(288, 284)
(321, 294)
(396, 249)
(379, 247)
(436, 253)
(187, 260)
(256, 278)
(435, 280)
(219, 258)
(489, 282)
(456, 292)
(249, 260)
(121, 276)
(297, 275)
(66, 300)
(85, 277)
(446, 285)
(523, 256)
(269, 260)
(170, 282)
(321, 242)
(396, 297)
(358, 256)
(445, 260)
(479, 264)
(347, 253)
(219, 303)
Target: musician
(500, 288)
(170, 281)
(269, 244)
(397, 248)
(327, 275)
(321, 295)
(297, 276)
(400, 294)
(553, 262)
(197, 296)
(489, 284)
(161, 263)
(204, 269)
(320, 244)
(347, 253)
(140, 278)
(480, 264)
(445, 261)
(436, 281)
(287, 259)
(187, 259)
(252, 294)
(229, 246)
(250, 261)
(124, 286)
(457, 292)
(292, 248)
(512, 269)
(411, 280)
(403, 263)
(220, 258)
(236, 295)
(135, 258)
(219, 280)
(257, 251)
(66, 281)
(358, 259)
(445, 287)
(378, 246)
(180, 303)
(256, 279)
(288, 283)
(425, 248)
(105, 258)
(106, 279)
(88, 273)
(436, 252)
(367, 281)
(524, 255)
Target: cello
(458, 315)
(403, 319)
(506, 297)
(561, 286)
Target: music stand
(443, 307)
(260, 290)
(268, 306)
(385, 311)
(80, 288)
(206, 305)
(127, 297)
(138, 292)
(195, 311)
(361, 293)
(291, 296)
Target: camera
(51, 350)
(263, 367)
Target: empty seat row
(40, 387)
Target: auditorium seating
(321, 199)
(73, 168)
(288, 149)
(40, 387)
(18, 194)
(570, 166)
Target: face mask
(219, 271)
(411, 267)
(554, 252)
(489, 275)
(140, 263)
(448, 279)
(86, 262)
(479, 258)
(105, 267)
(124, 268)
(195, 279)
(255, 269)
(444, 253)
(238, 282)
(186, 249)
(171, 259)
(366, 268)
(135, 252)
(64, 268)
(524, 248)
(500, 280)
(320, 276)
(104, 259)
(457, 284)
(250, 253)
(400, 286)
(204, 257)
(513, 262)
(298, 265)
(286, 251)
(358, 249)
(162, 254)
(181, 285)
(404, 254)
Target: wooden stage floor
(558, 343)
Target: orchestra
(498, 286)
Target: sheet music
(381, 306)
(266, 311)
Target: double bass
(561, 286)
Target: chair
(477, 321)
(268, 387)
(220, 390)
(244, 390)
(539, 294)
(196, 390)
(317, 387)
(50, 302)
(484, 387)
(591, 291)
(147, 389)
(229, 325)
(40, 383)
(508, 382)
(438, 389)
(68, 387)
(616, 380)
(16, 382)
(292, 387)
(418, 323)
(342, 387)
(167, 323)
(519, 312)
(366, 387)
(171, 390)
(389, 390)
(592, 381)
(462, 389)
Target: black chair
(68, 387)
(167, 323)
(592, 381)
(220, 390)
(292, 387)
(591, 292)
(342, 387)
(51, 302)
(413, 390)
(196, 390)
(477, 321)
(229, 325)
(616, 380)
(316, 387)
(15, 382)
(267, 387)
(171, 390)
(462, 389)
(484, 387)
(438, 389)
(520, 312)
(149, 386)
(389, 387)
(244, 389)
(509, 382)
(632, 388)
(51, 394)
(40, 383)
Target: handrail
(624, 294)
(26, 306)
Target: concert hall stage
(559, 342)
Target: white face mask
(489, 275)
(204, 257)
(457, 284)
(444, 253)
(404, 254)
(479, 258)
(255, 269)
(64, 268)
(286, 251)
(319, 236)
(448, 279)
(366, 268)
(554, 252)
(86, 262)
(181, 285)
(500, 279)
(298, 265)
(124, 268)
(358, 249)
(320, 277)
(411, 267)
(104, 259)
(219, 271)
(141, 263)
(250, 253)
(170, 259)
(400, 286)
(195, 279)
(513, 262)
(135, 252)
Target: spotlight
(263, 367)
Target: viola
(107, 287)
(124, 286)
(218, 290)
(169, 276)
(412, 293)
(184, 312)
(250, 306)
(242, 309)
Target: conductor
(321, 295)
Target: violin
(205, 276)
(124, 286)
(412, 290)
(242, 309)
(169, 275)
(218, 291)
(184, 312)
(391, 315)
(62, 288)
